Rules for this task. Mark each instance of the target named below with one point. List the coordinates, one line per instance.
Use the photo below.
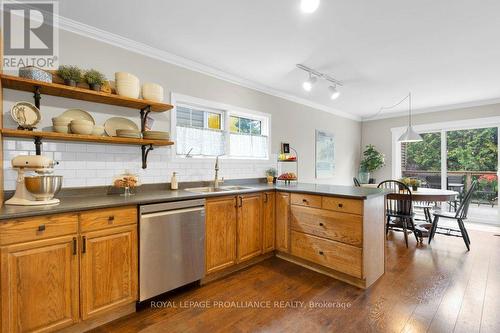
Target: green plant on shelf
(93, 76)
(70, 74)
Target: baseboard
(360, 283)
(109, 316)
(230, 270)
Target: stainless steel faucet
(216, 180)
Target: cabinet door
(40, 285)
(249, 226)
(220, 237)
(268, 222)
(282, 221)
(108, 269)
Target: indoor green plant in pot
(70, 74)
(94, 79)
(372, 161)
(271, 175)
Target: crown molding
(151, 52)
(433, 109)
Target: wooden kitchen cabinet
(220, 238)
(249, 226)
(268, 221)
(108, 269)
(282, 221)
(39, 282)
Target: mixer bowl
(43, 187)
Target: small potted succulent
(271, 175)
(70, 74)
(94, 79)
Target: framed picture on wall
(325, 154)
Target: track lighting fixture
(309, 6)
(314, 75)
(334, 93)
(309, 83)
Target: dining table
(423, 197)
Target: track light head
(308, 85)
(334, 93)
(309, 6)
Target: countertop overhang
(74, 203)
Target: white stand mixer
(42, 188)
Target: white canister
(174, 185)
(152, 92)
(127, 85)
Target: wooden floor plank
(436, 288)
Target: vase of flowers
(414, 183)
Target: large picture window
(211, 129)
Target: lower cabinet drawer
(345, 228)
(338, 256)
(37, 227)
(108, 217)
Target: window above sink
(205, 129)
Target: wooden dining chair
(460, 216)
(356, 182)
(399, 209)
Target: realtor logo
(30, 34)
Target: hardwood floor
(436, 288)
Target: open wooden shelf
(54, 89)
(7, 132)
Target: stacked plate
(128, 133)
(127, 85)
(156, 135)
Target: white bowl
(81, 129)
(81, 122)
(98, 130)
(60, 129)
(127, 85)
(152, 92)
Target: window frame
(226, 112)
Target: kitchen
(197, 196)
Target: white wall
(378, 132)
(86, 165)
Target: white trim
(435, 109)
(454, 125)
(227, 109)
(151, 52)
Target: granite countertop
(72, 203)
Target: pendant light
(410, 135)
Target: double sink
(211, 189)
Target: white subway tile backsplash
(83, 164)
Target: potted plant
(70, 74)
(372, 161)
(94, 79)
(271, 175)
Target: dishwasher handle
(172, 212)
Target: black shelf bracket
(37, 96)
(144, 115)
(145, 152)
(38, 145)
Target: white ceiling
(446, 52)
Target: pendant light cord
(390, 107)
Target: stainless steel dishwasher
(171, 246)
